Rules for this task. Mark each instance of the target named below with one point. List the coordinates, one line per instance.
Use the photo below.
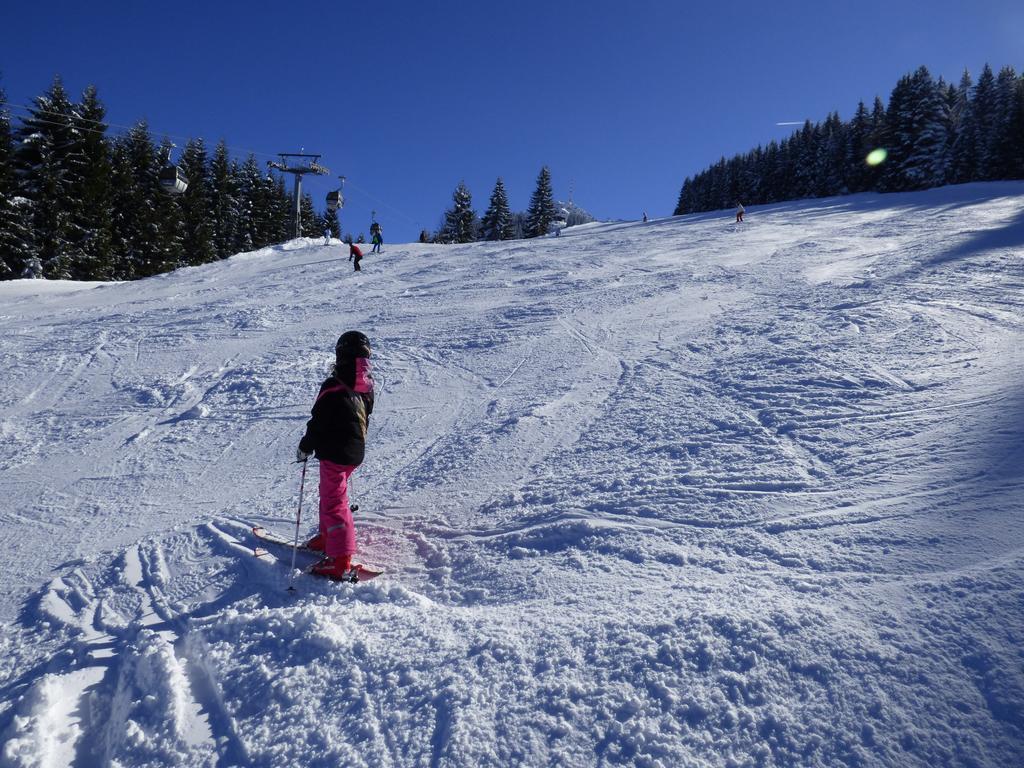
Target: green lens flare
(877, 156)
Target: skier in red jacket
(354, 254)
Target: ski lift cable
(125, 129)
(152, 130)
(377, 200)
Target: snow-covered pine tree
(137, 201)
(734, 189)
(918, 125)
(771, 175)
(223, 202)
(719, 187)
(197, 245)
(331, 223)
(49, 164)
(91, 187)
(541, 212)
(858, 147)
(1017, 130)
(962, 156)
(878, 138)
(898, 138)
(459, 220)
(984, 126)
(1004, 146)
(803, 156)
(250, 199)
(497, 221)
(749, 175)
(684, 203)
(168, 251)
(830, 154)
(309, 220)
(283, 210)
(949, 94)
(15, 232)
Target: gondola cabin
(335, 200)
(173, 180)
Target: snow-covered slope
(676, 493)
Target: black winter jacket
(341, 416)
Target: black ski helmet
(352, 344)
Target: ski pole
(298, 519)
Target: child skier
(356, 254)
(337, 435)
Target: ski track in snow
(676, 493)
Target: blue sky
(620, 99)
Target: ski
(357, 573)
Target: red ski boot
(334, 568)
(316, 544)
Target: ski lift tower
(299, 164)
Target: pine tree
(878, 139)
(167, 248)
(541, 212)
(197, 244)
(331, 224)
(830, 158)
(49, 164)
(460, 219)
(137, 202)
(254, 206)
(283, 213)
(684, 204)
(497, 221)
(984, 126)
(1006, 151)
(963, 162)
(223, 202)
(1016, 168)
(310, 222)
(858, 147)
(93, 217)
(917, 124)
(15, 234)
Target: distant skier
(327, 237)
(355, 255)
(740, 210)
(376, 237)
(337, 436)
(645, 217)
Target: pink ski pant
(335, 516)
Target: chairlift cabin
(173, 180)
(335, 199)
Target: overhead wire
(123, 130)
(36, 110)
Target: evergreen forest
(930, 133)
(79, 203)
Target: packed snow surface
(682, 493)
